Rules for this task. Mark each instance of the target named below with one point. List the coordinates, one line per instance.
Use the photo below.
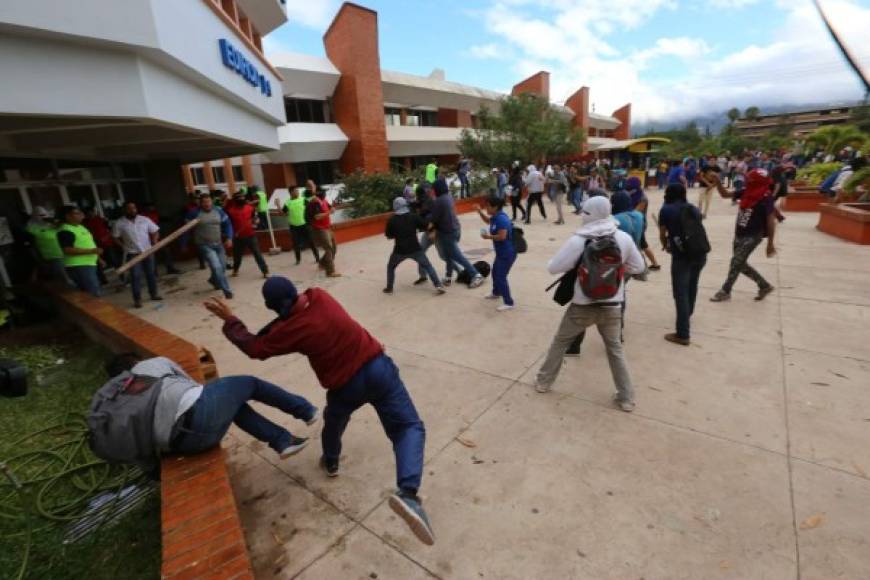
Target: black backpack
(519, 240)
(694, 239)
(482, 268)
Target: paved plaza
(747, 456)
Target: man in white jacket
(584, 312)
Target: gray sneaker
(627, 406)
(721, 296)
(476, 282)
(542, 388)
(408, 507)
(296, 445)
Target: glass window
(392, 117)
(412, 119)
(218, 173)
(198, 175)
(306, 111)
(11, 205)
(238, 174)
(81, 195)
(110, 197)
(48, 197)
(135, 191)
(429, 118)
(131, 171)
(321, 172)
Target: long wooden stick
(159, 245)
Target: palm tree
(752, 113)
(834, 138)
(733, 114)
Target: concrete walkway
(747, 456)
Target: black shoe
(330, 466)
(173, 271)
(295, 445)
(572, 352)
(228, 295)
(408, 507)
(137, 304)
(157, 297)
(419, 281)
(388, 290)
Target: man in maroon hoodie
(351, 365)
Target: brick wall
(201, 530)
(624, 115)
(537, 84)
(454, 118)
(579, 103)
(278, 175)
(351, 44)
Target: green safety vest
(83, 240)
(45, 238)
(295, 211)
(431, 173)
(263, 206)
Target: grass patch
(62, 378)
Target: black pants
(517, 204)
(535, 198)
(301, 238)
(239, 245)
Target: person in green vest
(294, 209)
(49, 256)
(262, 207)
(80, 252)
(432, 172)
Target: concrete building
(801, 123)
(344, 112)
(104, 99)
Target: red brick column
(537, 84)
(579, 103)
(454, 118)
(351, 44)
(624, 116)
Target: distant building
(802, 122)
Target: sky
(672, 59)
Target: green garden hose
(53, 484)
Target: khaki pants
(325, 240)
(577, 318)
(704, 199)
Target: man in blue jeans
(445, 224)
(351, 365)
(213, 235)
(685, 269)
(190, 418)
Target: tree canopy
(524, 128)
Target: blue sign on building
(235, 60)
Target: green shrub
(860, 177)
(370, 193)
(816, 173)
(481, 183)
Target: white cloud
(578, 40)
(312, 13)
(486, 51)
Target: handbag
(565, 284)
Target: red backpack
(601, 269)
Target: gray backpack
(121, 420)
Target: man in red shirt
(317, 214)
(351, 365)
(242, 215)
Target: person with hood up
(584, 311)
(640, 202)
(353, 368)
(756, 220)
(534, 181)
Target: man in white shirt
(136, 233)
(534, 180)
(584, 311)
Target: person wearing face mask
(317, 214)
(243, 216)
(598, 224)
(353, 368)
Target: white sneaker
(440, 290)
(542, 388)
(476, 282)
(490, 296)
(505, 308)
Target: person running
(317, 214)
(243, 218)
(501, 233)
(135, 234)
(402, 227)
(711, 180)
(80, 252)
(583, 311)
(631, 222)
(516, 192)
(294, 209)
(756, 220)
(190, 418)
(445, 225)
(640, 202)
(535, 182)
(685, 269)
(213, 235)
(353, 368)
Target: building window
(306, 111)
(412, 119)
(392, 116)
(321, 172)
(428, 118)
(238, 174)
(198, 175)
(475, 121)
(218, 173)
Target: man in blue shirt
(677, 174)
